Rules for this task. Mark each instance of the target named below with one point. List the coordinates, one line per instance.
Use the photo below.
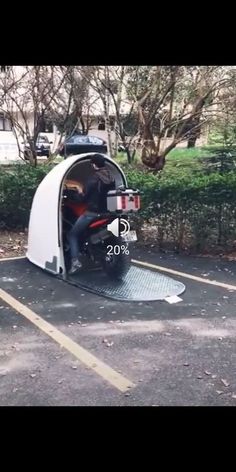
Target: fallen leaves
(107, 343)
(225, 383)
(13, 243)
(207, 372)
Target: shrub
(198, 212)
(195, 211)
(18, 184)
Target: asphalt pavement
(97, 351)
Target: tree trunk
(133, 155)
(35, 159)
(150, 155)
(117, 104)
(107, 112)
(82, 124)
(32, 157)
(129, 157)
(109, 142)
(192, 142)
(195, 133)
(116, 142)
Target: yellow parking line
(12, 258)
(84, 356)
(184, 274)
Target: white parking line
(12, 258)
(184, 274)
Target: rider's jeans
(76, 232)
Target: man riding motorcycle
(94, 196)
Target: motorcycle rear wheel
(115, 266)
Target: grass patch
(191, 153)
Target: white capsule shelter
(45, 246)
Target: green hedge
(18, 184)
(196, 212)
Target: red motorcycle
(105, 242)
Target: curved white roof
(44, 238)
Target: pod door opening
(74, 182)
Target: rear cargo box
(127, 200)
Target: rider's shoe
(75, 266)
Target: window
(42, 139)
(85, 140)
(101, 124)
(80, 140)
(95, 140)
(4, 69)
(5, 124)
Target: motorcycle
(103, 244)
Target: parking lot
(61, 345)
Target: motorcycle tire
(116, 266)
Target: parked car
(79, 144)
(42, 147)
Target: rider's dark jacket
(95, 190)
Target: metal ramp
(138, 285)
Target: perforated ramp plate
(138, 285)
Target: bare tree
(223, 123)
(98, 78)
(109, 83)
(163, 104)
(24, 102)
(116, 87)
(173, 102)
(165, 101)
(70, 107)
